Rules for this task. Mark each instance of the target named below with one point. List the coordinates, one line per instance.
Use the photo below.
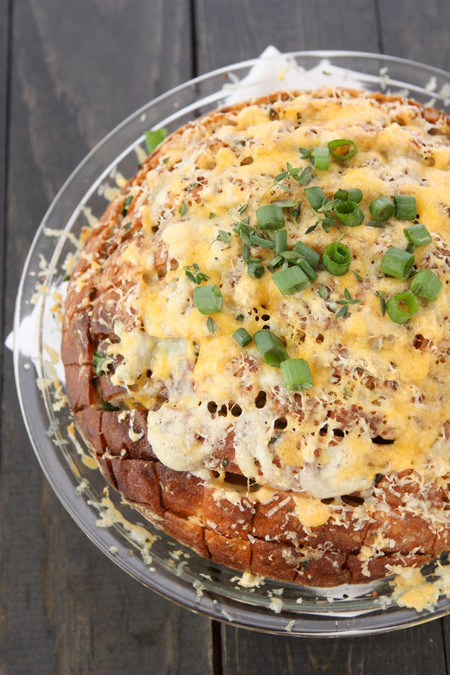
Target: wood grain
(120, 626)
(413, 651)
(79, 67)
(245, 28)
(4, 64)
(241, 29)
(417, 30)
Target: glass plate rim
(206, 610)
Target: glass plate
(154, 559)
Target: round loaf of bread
(256, 347)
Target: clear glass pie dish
(150, 556)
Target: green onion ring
(395, 306)
(340, 142)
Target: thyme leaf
(193, 273)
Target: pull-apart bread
(256, 339)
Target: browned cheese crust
(289, 511)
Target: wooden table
(69, 72)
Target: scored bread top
(379, 403)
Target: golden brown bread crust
(245, 532)
(266, 539)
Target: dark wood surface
(69, 72)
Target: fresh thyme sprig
(348, 300)
(193, 273)
(301, 175)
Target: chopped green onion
(354, 195)
(308, 253)
(402, 306)
(382, 208)
(321, 158)
(211, 324)
(337, 258)
(242, 337)
(245, 252)
(290, 256)
(296, 374)
(270, 347)
(153, 138)
(417, 235)
(342, 195)
(208, 299)
(349, 213)
(280, 241)
(426, 285)
(405, 207)
(316, 197)
(270, 217)
(261, 241)
(274, 263)
(290, 280)
(397, 263)
(339, 143)
(308, 270)
(256, 270)
(183, 209)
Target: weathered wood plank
(241, 29)
(4, 29)
(79, 67)
(414, 651)
(245, 28)
(117, 625)
(417, 30)
(4, 63)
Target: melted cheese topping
(372, 378)
(413, 591)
